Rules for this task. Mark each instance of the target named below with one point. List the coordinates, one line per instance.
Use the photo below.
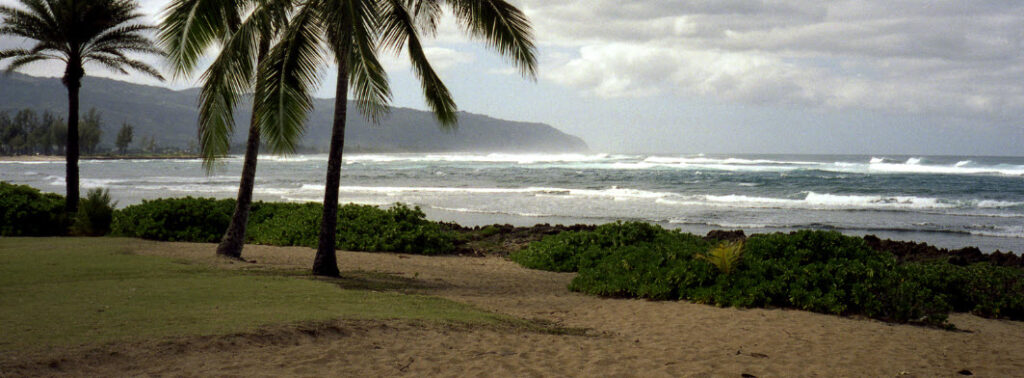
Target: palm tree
(244, 30)
(353, 31)
(78, 32)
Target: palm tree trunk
(234, 238)
(326, 261)
(73, 81)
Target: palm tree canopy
(355, 31)
(240, 29)
(78, 32)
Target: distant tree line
(26, 132)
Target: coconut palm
(244, 31)
(78, 32)
(353, 32)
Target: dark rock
(965, 372)
(913, 251)
(726, 235)
(503, 239)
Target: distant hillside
(170, 117)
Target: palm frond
(229, 76)
(399, 30)
(503, 27)
(22, 60)
(190, 27)
(21, 23)
(286, 79)
(427, 14)
(4, 54)
(369, 79)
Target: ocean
(948, 201)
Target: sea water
(947, 201)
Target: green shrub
(25, 211)
(296, 224)
(725, 256)
(564, 252)
(644, 271)
(360, 228)
(188, 219)
(982, 289)
(810, 270)
(95, 213)
(396, 229)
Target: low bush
(189, 219)
(25, 211)
(816, 271)
(983, 289)
(564, 252)
(285, 224)
(95, 213)
(360, 227)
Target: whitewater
(950, 201)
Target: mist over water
(948, 201)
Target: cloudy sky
(782, 76)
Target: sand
(623, 337)
(31, 158)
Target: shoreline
(60, 158)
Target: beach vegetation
(95, 213)
(399, 228)
(724, 256)
(243, 31)
(818, 271)
(568, 251)
(77, 33)
(25, 211)
(188, 219)
(350, 35)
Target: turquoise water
(949, 201)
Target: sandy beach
(32, 158)
(617, 337)
(38, 158)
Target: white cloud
(962, 58)
(440, 58)
(914, 56)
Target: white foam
(1001, 231)
(525, 159)
(827, 201)
(481, 211)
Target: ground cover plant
(817, 271)
(71, 291)
(567, 251)
(399, 228)
(25, 211)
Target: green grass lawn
(73, 291)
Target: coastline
(59, 158)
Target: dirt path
(625, 337)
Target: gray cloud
(957, 58)
(962, 58)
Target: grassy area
(72, 291)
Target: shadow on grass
(377, 281)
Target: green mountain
(170, 117)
